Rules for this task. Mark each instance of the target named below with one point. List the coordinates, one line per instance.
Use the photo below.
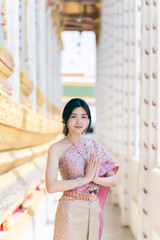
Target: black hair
(68, 109)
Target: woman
(87, 174)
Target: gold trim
(40, 97)
(6, 225)
(26, 217)
(31, 174)
(5, 86)
(7, 64)
(22, 127)
(73, 8)
(49, 106)
(26, 84)
(26, 101)
(14, 158)
(12, 138)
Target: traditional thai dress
(80, 219)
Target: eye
(72, 116)
(84, 117)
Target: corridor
(112, 230)
(44, 44)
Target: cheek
(71, 121)
(86, 121)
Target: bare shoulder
(58, 147)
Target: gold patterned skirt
(76, 219)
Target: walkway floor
(112, 227)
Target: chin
(79, 130)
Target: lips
(78, 126)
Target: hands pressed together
(92, 169)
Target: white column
(49, 55)
(12, 15)
(41, 48)
(2, 16)
(120, 74)
(119, 94)
(32, 49)
(137, 74)
(149, 87)
(153, 83)
(158, 90)
(59, 90)
(23, 35)
(144, 228)
(125, 210)
(55, 66)
(54, 86)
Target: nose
(79, 120)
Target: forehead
(79, 110)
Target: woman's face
(78, 120)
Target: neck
(74, 137)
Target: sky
(79, 53)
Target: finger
(94, 162)
(94, 156)
(94, 159)
(91, 156)
(97, 166)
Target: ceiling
(76, 15)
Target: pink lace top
(73, 162)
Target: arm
(109, 180)
(54, 185)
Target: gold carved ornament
(26, 87)
(40, 97)
(5, 226)
(7, 67)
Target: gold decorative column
(7, 64)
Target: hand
(95, 178)
(91, 167)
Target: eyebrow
(76, 114)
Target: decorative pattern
(26, 84)
(118, 84)
(14, 186)
(4, 22)
(7, 64)
(72, 164)
(40, 97)
(16, 119)
(81, 223)
(20, 126)
(148, 111)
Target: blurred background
(78, 68)
(106, 52)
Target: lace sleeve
(106, 162)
